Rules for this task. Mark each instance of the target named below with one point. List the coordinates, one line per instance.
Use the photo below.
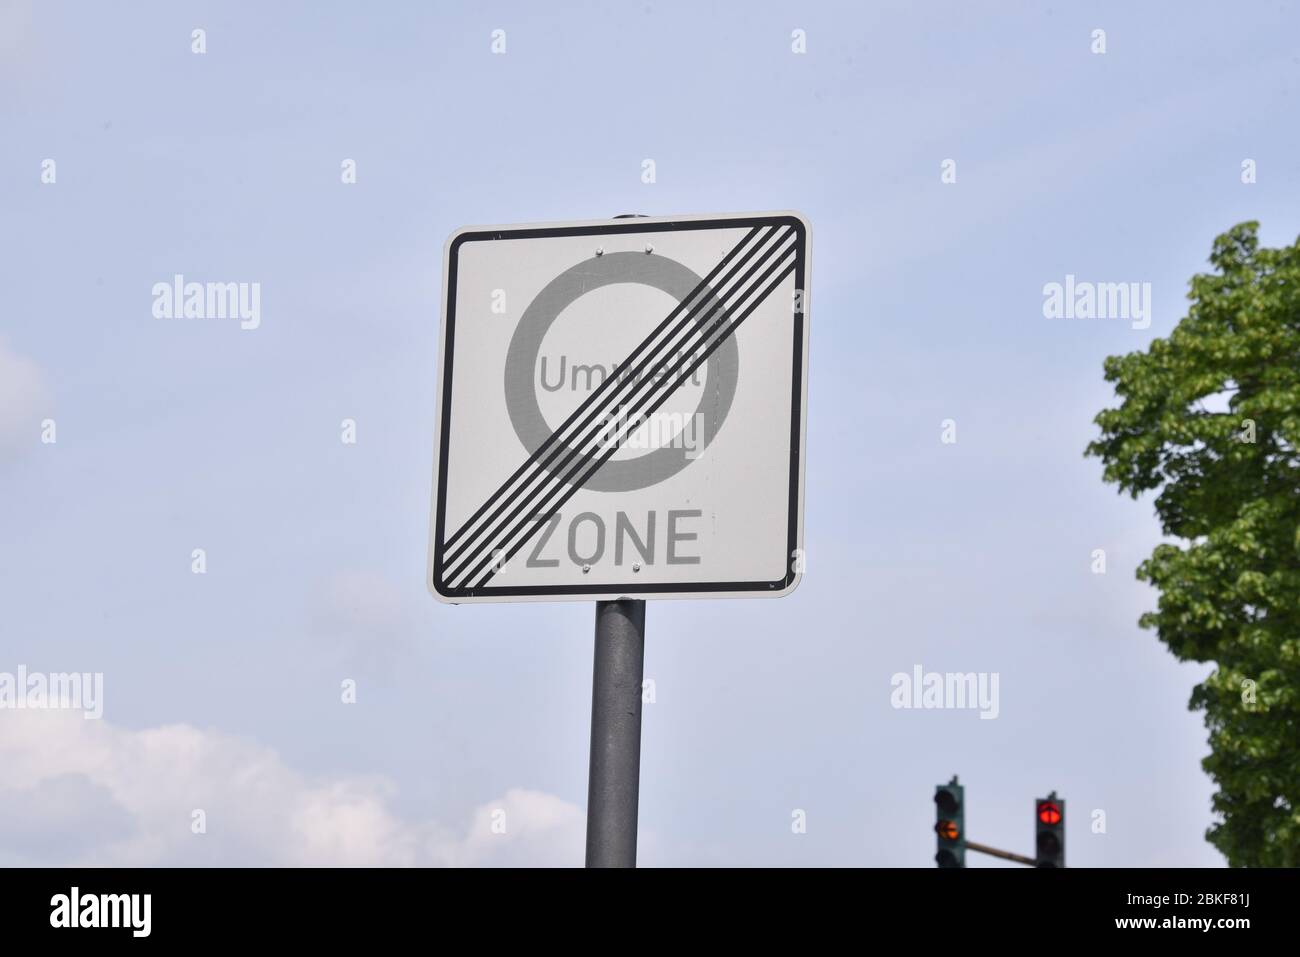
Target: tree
(1228, 477)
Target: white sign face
(621, 410)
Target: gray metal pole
(613, 783)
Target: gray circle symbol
(622, 475)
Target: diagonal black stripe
(613, 382)
(574, 487)
(564, 468)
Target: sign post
(614, 779)
(621, 416)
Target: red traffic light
(1049, 813)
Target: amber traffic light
(950, 824)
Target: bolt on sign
(621, 410)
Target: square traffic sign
(621, 411)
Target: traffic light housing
(950, 824)
(1049, 831)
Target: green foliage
(1231, 592)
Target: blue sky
(222, 689)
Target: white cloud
(24, 402)
(538, 827)
(87, 792)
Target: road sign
(621, 410)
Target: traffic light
(1049, 831)
(950, 824)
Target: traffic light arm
(996, 852)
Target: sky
(222, 690)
